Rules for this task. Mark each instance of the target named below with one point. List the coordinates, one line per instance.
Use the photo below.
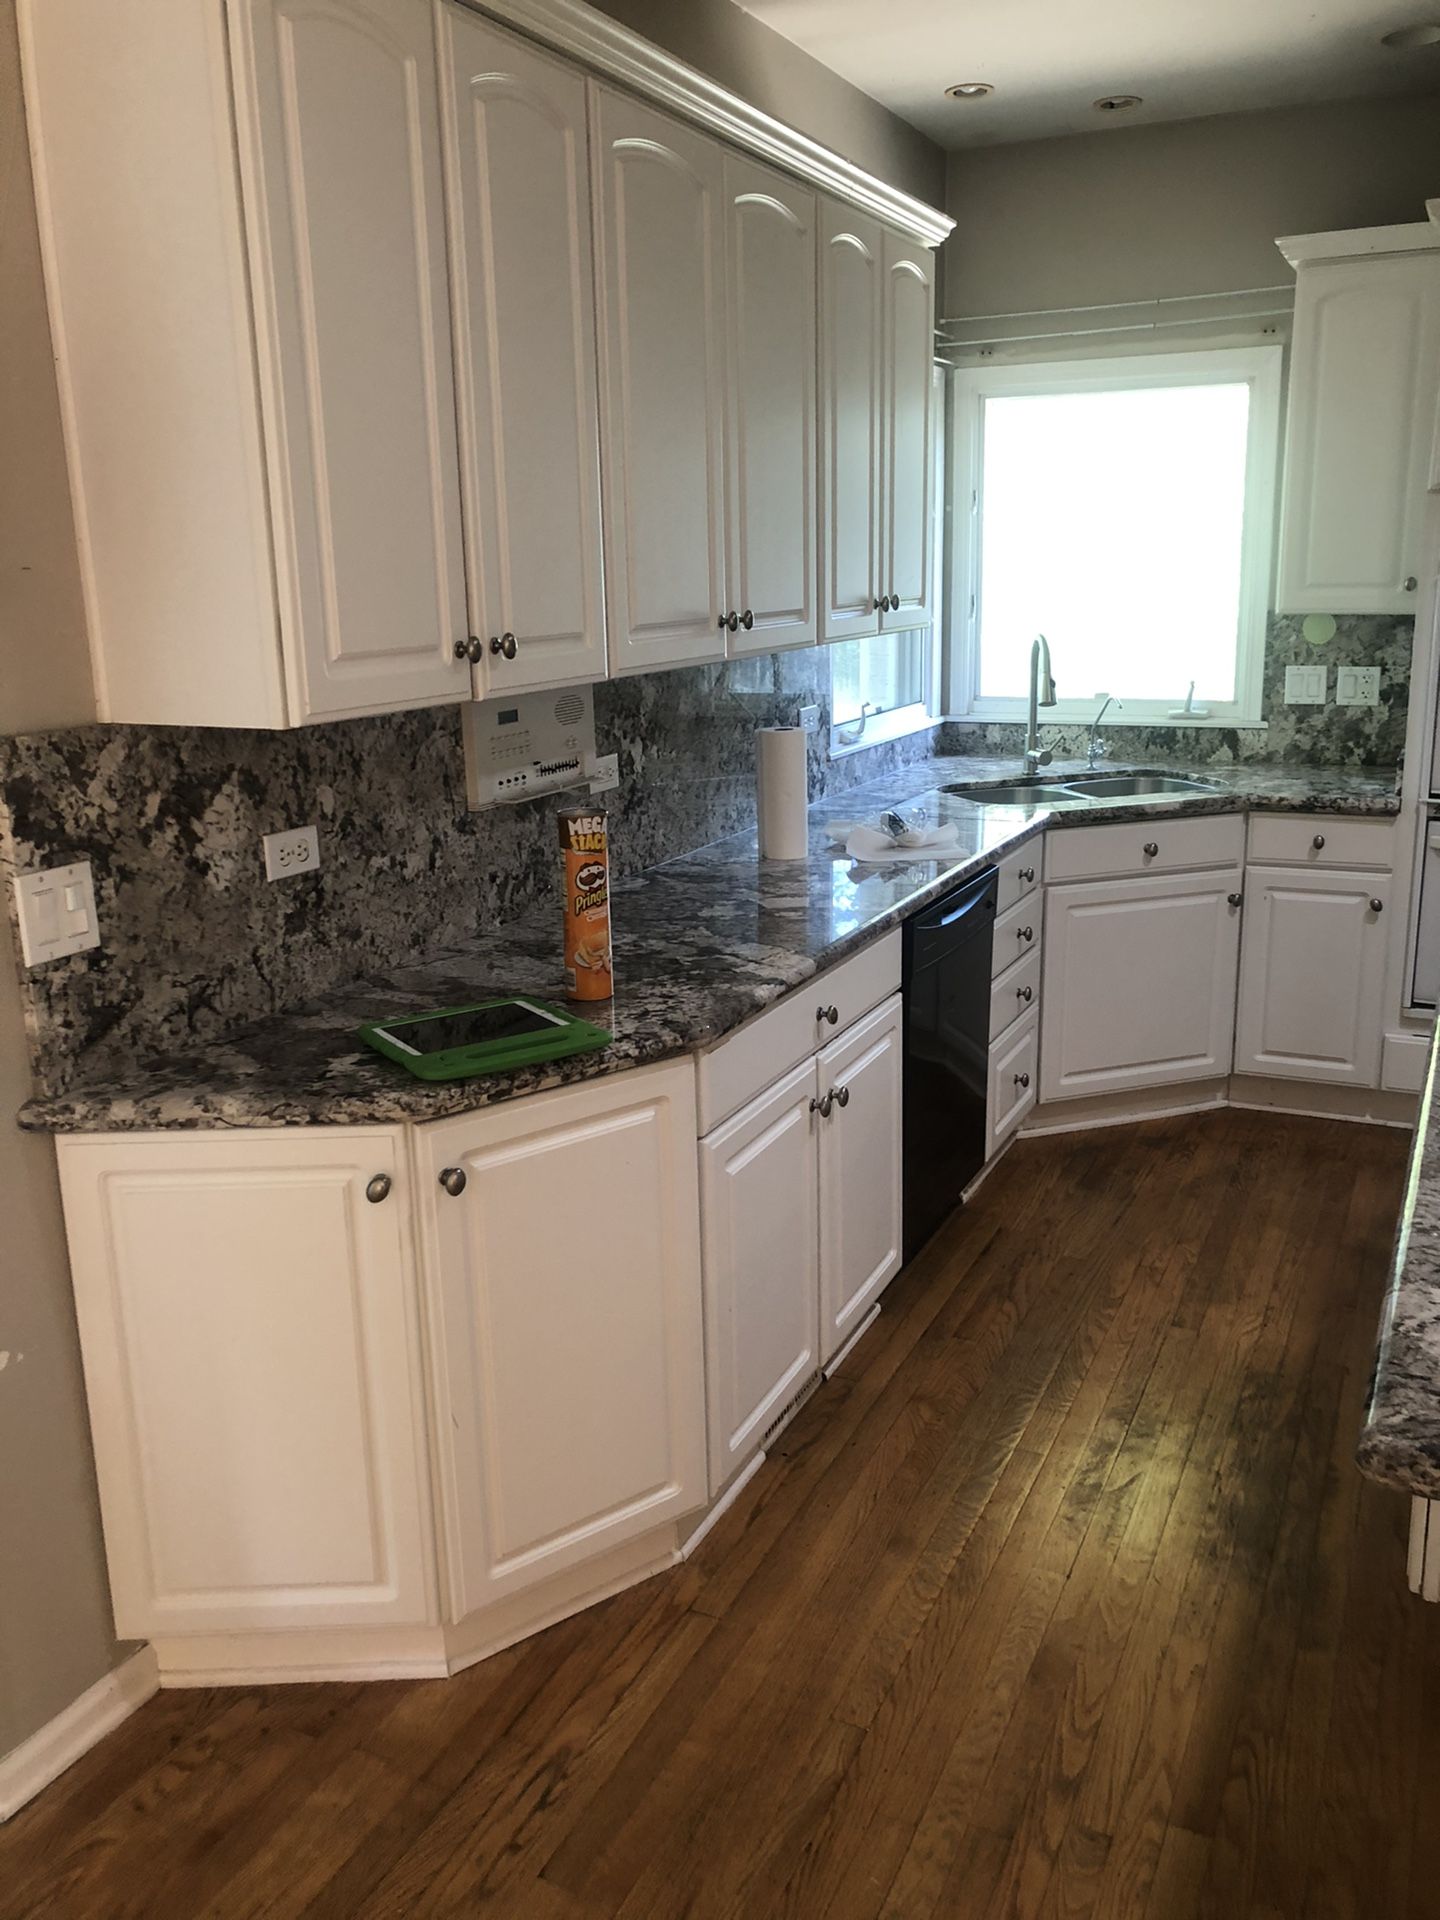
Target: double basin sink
(1082, 790)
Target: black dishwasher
(946, 978)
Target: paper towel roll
(782, 799)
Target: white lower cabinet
(1312, 977)
(760, 1230)
(250, 1329)
(860, 1177)
(1139, 982)
(1014, 1083)
(569, 1371)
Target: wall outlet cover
(1305, 686)
(809, 719)
(1357, 686)
(297, 850)
(56, 912)
(604, 773)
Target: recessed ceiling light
(1424, 35)
(1116, 102)
(969, 90)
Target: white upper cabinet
(852, 389)
(568, 1346)
(661, 227)
(770, 443)
(254, 362)
(339, 139)
(250, 1326)
(518, 171)
(907, 456)
(1364, 368)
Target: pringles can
(585, 845)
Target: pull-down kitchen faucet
(1042, 694)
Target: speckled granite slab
(1400, 1440)
(702, 943)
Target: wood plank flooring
(1064, 1599)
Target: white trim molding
(571, 27)
(30, 1767)
(1356, 243)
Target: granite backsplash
(198, 943)
(1322, 736)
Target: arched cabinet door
(907, 459)
(661, 238)
(851, 419)
(518, 178)
(770, 448)
(339, 144)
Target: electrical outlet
(1305, 686)
(809, 719)
(297, 850)
(604, 772)
(56, 911)
(1357, 686)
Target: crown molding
(1359, 243)
(606, 47)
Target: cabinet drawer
(1094, 853)
(1014, 1079)
(1019, 873)
(746, 1062)
(1016, 934)
(1015, 993)
(1320, 840)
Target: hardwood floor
(1064, 1599)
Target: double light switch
(56, 912)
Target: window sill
(880, 729)
(1130, 724)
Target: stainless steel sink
(1021, 794)
(1135, 786)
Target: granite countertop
(701, 944)
(1400, 1440)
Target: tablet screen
(440, 1032)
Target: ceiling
(1049, 59)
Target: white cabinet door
(518, 171)
(661, 241)
(1312, 977)
(852, 406)
(570, 1384)
(252, 1352)
(759, 1228)
(770, 451)
(907, 453)
(339, 138)
(1139, 982)
(1363, 371)
(860, 1189)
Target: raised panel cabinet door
(759, 1211)
(568, 1344)
(661, 241)
(518, 172)
(1139, 982)
(860, 1191)
(852, 404)
(1364, 367)
(339, 138)
(1312, 975)
(770, 464)
(908, 446)
(250, 1329)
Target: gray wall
(1195, 206)
(56, 1637)
(738, 51)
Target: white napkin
(869, 843)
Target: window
(1124, 508)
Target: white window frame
(928, 711)
(1259, 367)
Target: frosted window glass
(1111, 523)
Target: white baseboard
(723, 1505)
(83, 1724)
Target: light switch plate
(1357, 686)
(56, 911)
(1305, 686)
(297, 850)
